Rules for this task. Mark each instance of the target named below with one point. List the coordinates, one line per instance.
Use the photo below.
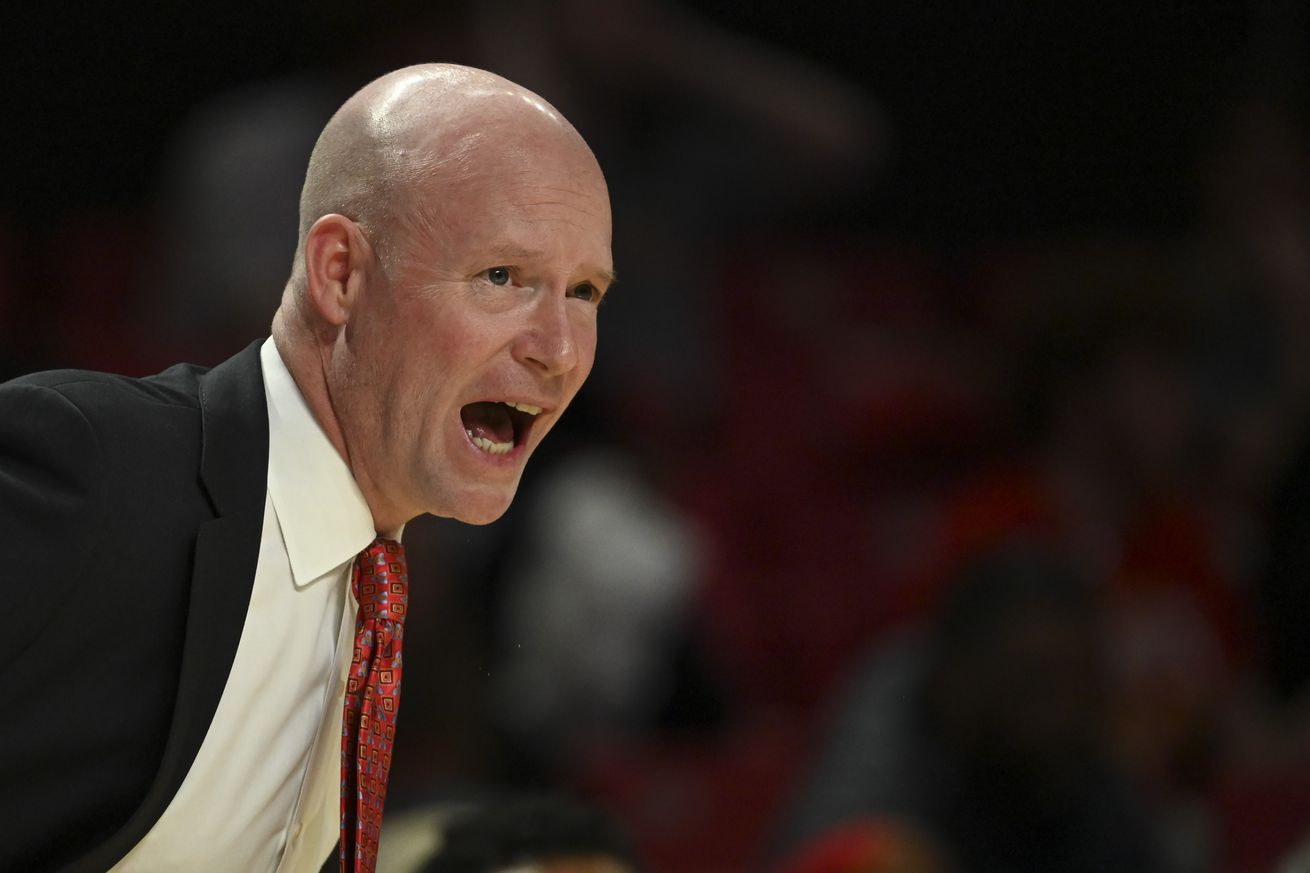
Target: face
(484, 331)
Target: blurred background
(941, 500)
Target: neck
(307, 364)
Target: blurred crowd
(858, 554)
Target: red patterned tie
(368, 727)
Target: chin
(482, 508)
(481, 518)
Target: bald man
(180, 549)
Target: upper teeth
(523, 407)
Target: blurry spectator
(531, 835)
(1252, 267)
(1108, 469)
(988, 734)
(592, 599)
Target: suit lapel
(234, 473)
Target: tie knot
(381, 581)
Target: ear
(338, 258)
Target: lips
(496, 427)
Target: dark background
(1011, 118)
(1050, 294)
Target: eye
(498, 275)
(586, 291)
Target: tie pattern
(368, 726)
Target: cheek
(398, 375)
(428, 378)
(377, 344)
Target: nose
(548, 344)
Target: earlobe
(333, 256)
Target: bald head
(415, 129)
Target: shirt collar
(324, 518)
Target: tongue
(489, 421)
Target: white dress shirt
(263, 795)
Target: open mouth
(496, 427)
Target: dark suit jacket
(130, 521)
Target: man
(978, 742)
(185, 552)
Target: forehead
(490, 191)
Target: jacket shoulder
(80, 455)
(176, 386)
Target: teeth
(523, 407)
(491, 448)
